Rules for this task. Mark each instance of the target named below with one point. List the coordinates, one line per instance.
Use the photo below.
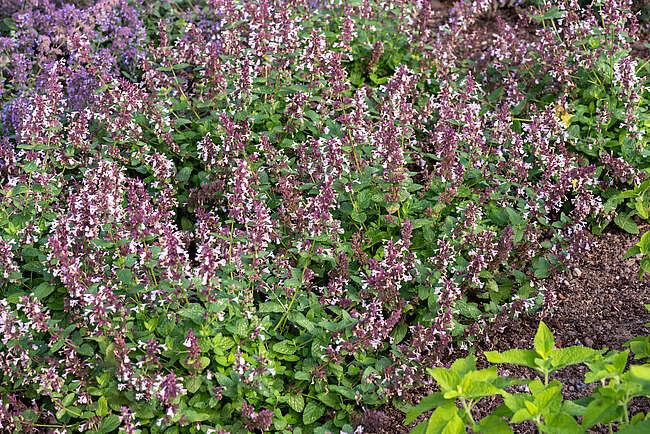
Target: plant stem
(468, 410)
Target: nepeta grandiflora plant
(543, 403)
(228, 216)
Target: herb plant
(231, 216)
(462, 386)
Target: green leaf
(639, 428)
(359, 217)
(284, 347)
(445, 420)
(598, 411)
(641, 373)
(552, 13)
(520, 416)
(572, 355)
(297, 402)
(645, 266)
(479, 389)
(196, 416)
(239, 327)
(644, 244)
(193, 383)
(573, 408)
(562, 423)
(124, 275)
(109, 423)
(493, 425)
(544, 342)
(342, 390)
(101, 243)
(541, 267)
(109, 358)
(330, 399)
(632, 251)
(102, 406)
(447, 379)
(398, 333)
(184, 174)
(514, 217)
(312, 413)
(194, 312)
(515, 357)
(427, 403)
(43, 290)
(624, 222)
(420, 428)
(464, 366)
(301, 320)
(271, 306)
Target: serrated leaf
(43, 290)
(544, 341)
(124, 275)
(427, 403)
(359, 217)
(109, 423)
(196, 416)
(572, 355)
(297, 402)
(184, 174)
(193, 383)
(515, 357)
(194, 312)
(493, 425)
(330, 399)
(284, 347)
(312, 413)
(541, 267)
(624, 222)
(447, 379)
(271, 306)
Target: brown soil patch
(600, 300)
(599, 304)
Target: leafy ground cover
(600, 304)
(229, 216)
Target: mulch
(600, 304)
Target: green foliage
(638, 205)
(262, 338)
(463, 386)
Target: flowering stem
(286, 312)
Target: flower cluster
(228, 215)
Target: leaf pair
(545, 359)
(462, 381)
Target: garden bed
(286, 215)
(599, 304)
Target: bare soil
(600, 304)
(600, 299)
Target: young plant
(462, 386)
